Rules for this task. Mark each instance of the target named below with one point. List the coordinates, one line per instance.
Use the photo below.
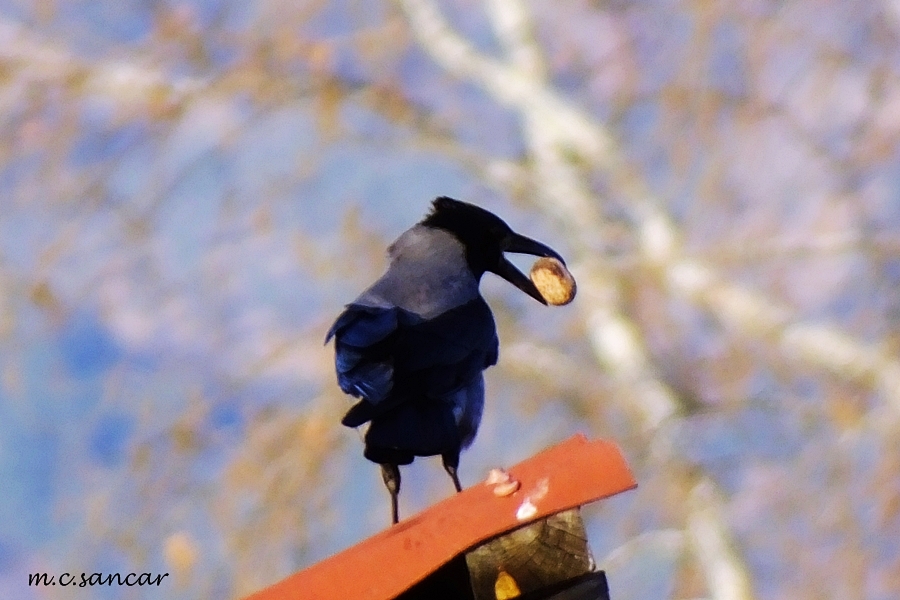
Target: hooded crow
(413, 346)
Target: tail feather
(419, 429)
(359, 413)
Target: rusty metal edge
(572, 473)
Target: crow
(412, 347)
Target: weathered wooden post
(519, 535)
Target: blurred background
(190, 191)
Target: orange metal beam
(564, 476)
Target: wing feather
(389, 356)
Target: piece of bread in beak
(553, 281)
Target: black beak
(520, 244)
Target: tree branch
(516, 31)
(725, 572)
(39, 60)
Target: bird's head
(486, 237)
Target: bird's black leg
(391, 476)
(451, 463)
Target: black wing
(389, 356)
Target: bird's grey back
(428, 275)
